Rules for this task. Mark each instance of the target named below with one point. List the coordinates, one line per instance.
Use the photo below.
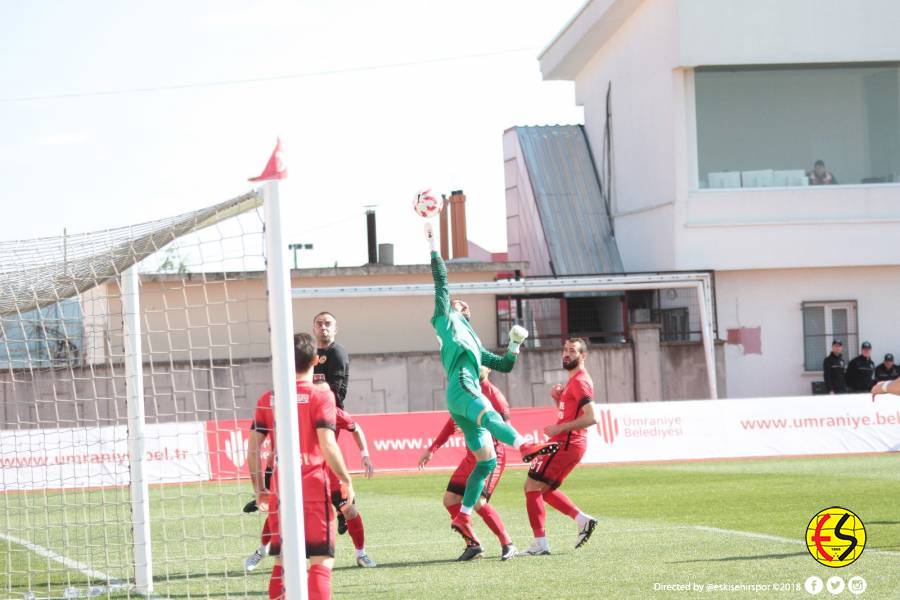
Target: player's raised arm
(505, 363)
(886, 387)
(439, 273)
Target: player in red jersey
(457, 486)
(316, 412)
(576, 413)
(352, 518)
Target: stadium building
(703, 121)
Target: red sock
(266, 535)
(534, 503)
(276, 583)
(453, 509)
(318, 580)
(561, 502)
(356, 531)
(494, 522)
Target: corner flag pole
(287, 438)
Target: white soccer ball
(427, 204)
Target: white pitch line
(63, 560)
(775, 538)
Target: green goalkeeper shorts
(466, 402)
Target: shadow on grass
(733, 558)
(882, 522)
(397, 565)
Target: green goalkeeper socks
(500, 429)
(475, 483)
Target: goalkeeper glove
(251, 507)
(429, 236)
(517, 336)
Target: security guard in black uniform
(833, 370)
(861, 370)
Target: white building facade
(704, 118)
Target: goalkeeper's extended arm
(505, 363)
(439, 273)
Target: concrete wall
(379, 383)
(771, 300)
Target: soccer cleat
(471, 551)
(508, 551)
(365, 562)
(251, 507)
(462, 524)
(537, 549)
(584, 534)
(252, 561)
(530, 450)
(342, 523)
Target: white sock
(518, 441)
(264, 549)
(361, 552)
(582, 519)
(466, 510)
(541, 541)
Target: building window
(824, 322)
(768, 126)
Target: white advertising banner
(81, 457)
(705, 429)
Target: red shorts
(553, 469)
(458, 480)
(318, 520)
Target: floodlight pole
(287, 440)
(134, 387)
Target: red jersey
(315, 409)
(498, 401)
(579, 391)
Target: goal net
(72, 522)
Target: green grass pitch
(730, 522)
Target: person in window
(833, 370)
(887, 371)
(820, 175)
(861, 370)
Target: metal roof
(567, 192)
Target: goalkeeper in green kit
(462, 356)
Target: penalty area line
(775, 538)
(84, 569)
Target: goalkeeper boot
(462, 524)
(342, 523)
(530, 450)
(252, 561)
(585, 530)
(508, 551)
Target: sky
(373, 100)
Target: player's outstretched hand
(368, 466)
(426, 456)
(880, 388)
(517, 336)
(429, 235)
(251, 507)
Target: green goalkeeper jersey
(456, 335)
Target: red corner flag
(275, 168)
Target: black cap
(837, 343)
(888, 357)
(866, 346)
